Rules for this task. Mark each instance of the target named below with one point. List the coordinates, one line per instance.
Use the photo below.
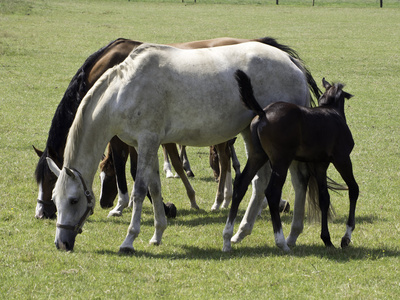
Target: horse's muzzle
(65, 239)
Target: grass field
(44, 42)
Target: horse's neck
(84, 149)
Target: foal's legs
(273, 194)
(259, 183)
(177, 164)
(324, 201)
(346, 171)
(242, 181)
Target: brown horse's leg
(235, 161)
(167, 165)
(214, 162)
(177, 164)
(185, 161)
(120, 152)
(223, 156)
(345, 169)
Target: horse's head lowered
(76, 202)
(334, 97)
(46, 180)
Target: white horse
(161, 94)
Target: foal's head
(334, 97)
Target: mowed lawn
(42, 45)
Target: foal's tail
(314, 211)
(247, 94)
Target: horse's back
(190, 93)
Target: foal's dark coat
(284, 132)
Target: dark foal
(284, 132)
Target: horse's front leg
(300, 176)
(324, 202)
(147, 177)
(177, 164)
(120, 152)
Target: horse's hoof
(155, 242)
(285, 207)
(170, 210)
(114, 214)
(169, 174)
(226, 248)
(345, 242)
(189, 174)
(126, 251)
(195, 206)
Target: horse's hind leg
(235, 160)
(273, 194)
(223, 170)
(167, 166)
(177, 164)
(345, 169)
(299, 175)
(185, 161)
(259, 183)
(242, 181)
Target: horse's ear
(69, 172)
(347, 95)
(38, 152)
(53, 155)
(53, 166)
(325, 83)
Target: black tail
(314, 212)
(247, 94)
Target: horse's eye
(74, 201)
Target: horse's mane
(94, 94)
(298, 61)
(66, 110)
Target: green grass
(44, 42)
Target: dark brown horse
(94, 66)
(284, 132)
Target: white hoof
(114, 213)
(215, 206)
(169, 174)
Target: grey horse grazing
(161, 94)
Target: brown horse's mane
(66, 111)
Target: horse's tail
(294, 55)
(314, 211)
(247, 94)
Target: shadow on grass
(335, 254)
